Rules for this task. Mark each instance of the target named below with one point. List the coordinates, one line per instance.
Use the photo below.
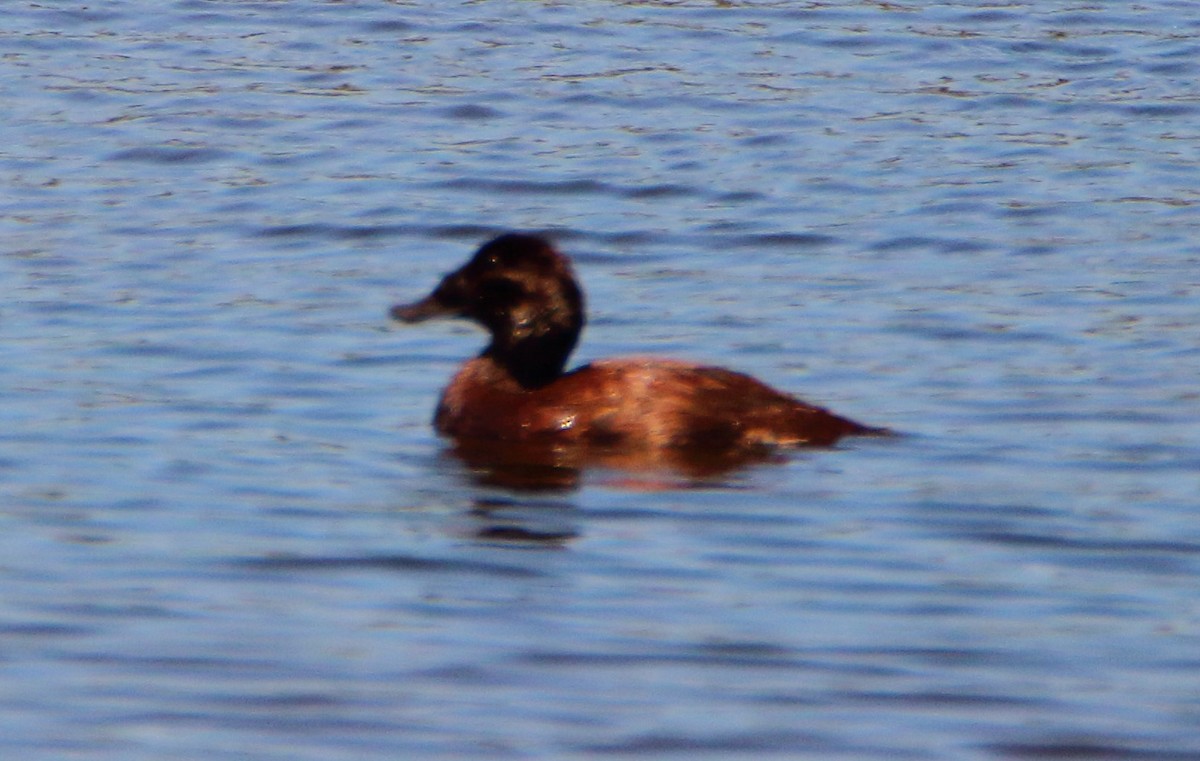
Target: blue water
(228, 530)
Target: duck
(523, 291)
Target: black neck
(535, 361)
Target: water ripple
(387, 563)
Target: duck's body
(634, 403)
(524, 292)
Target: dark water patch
(779, 240)
(183, 350)
(704, 656)
(766, 141)
(283, 700)
(472, 112)
(465, 675)
(1048, 248)
(303, 725)
(42, 630)
(1160, 110)
(946, 699)
(938, 330)
(181, 664)
(956, 207)
(518, 535)
(84, 15)
(1003, 411)
(740, 196)
(967, 510)
(1167, 558)
(909, 243)
(529, 187)
(1133, 462)
(850, 41)
(169, 155)
(1014, 101)
(745, 648)
(389, 26)
(1173, 68)
(287, 158)
(469, 233)
(728, 227)
(387, 360)
(493, 504)
(118, 611)
(952, 658)
(570, 187)
(1055, 45)
(606, 239)
(1088, 749)
(657, 744)
(989, 16)
(402, 563)
(327, 231)
(67, 308)
(1104, 546)
(665, 190)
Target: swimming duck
(523, 291)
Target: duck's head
(524, 292)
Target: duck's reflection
(527, 482)
(525, 523)
(552, 467)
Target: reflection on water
(552, 466)
(508, 520)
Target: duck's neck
(534, 361)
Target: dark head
(524, 292)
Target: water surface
(229, 531)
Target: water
(228, 530)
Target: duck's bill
(419, 311)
